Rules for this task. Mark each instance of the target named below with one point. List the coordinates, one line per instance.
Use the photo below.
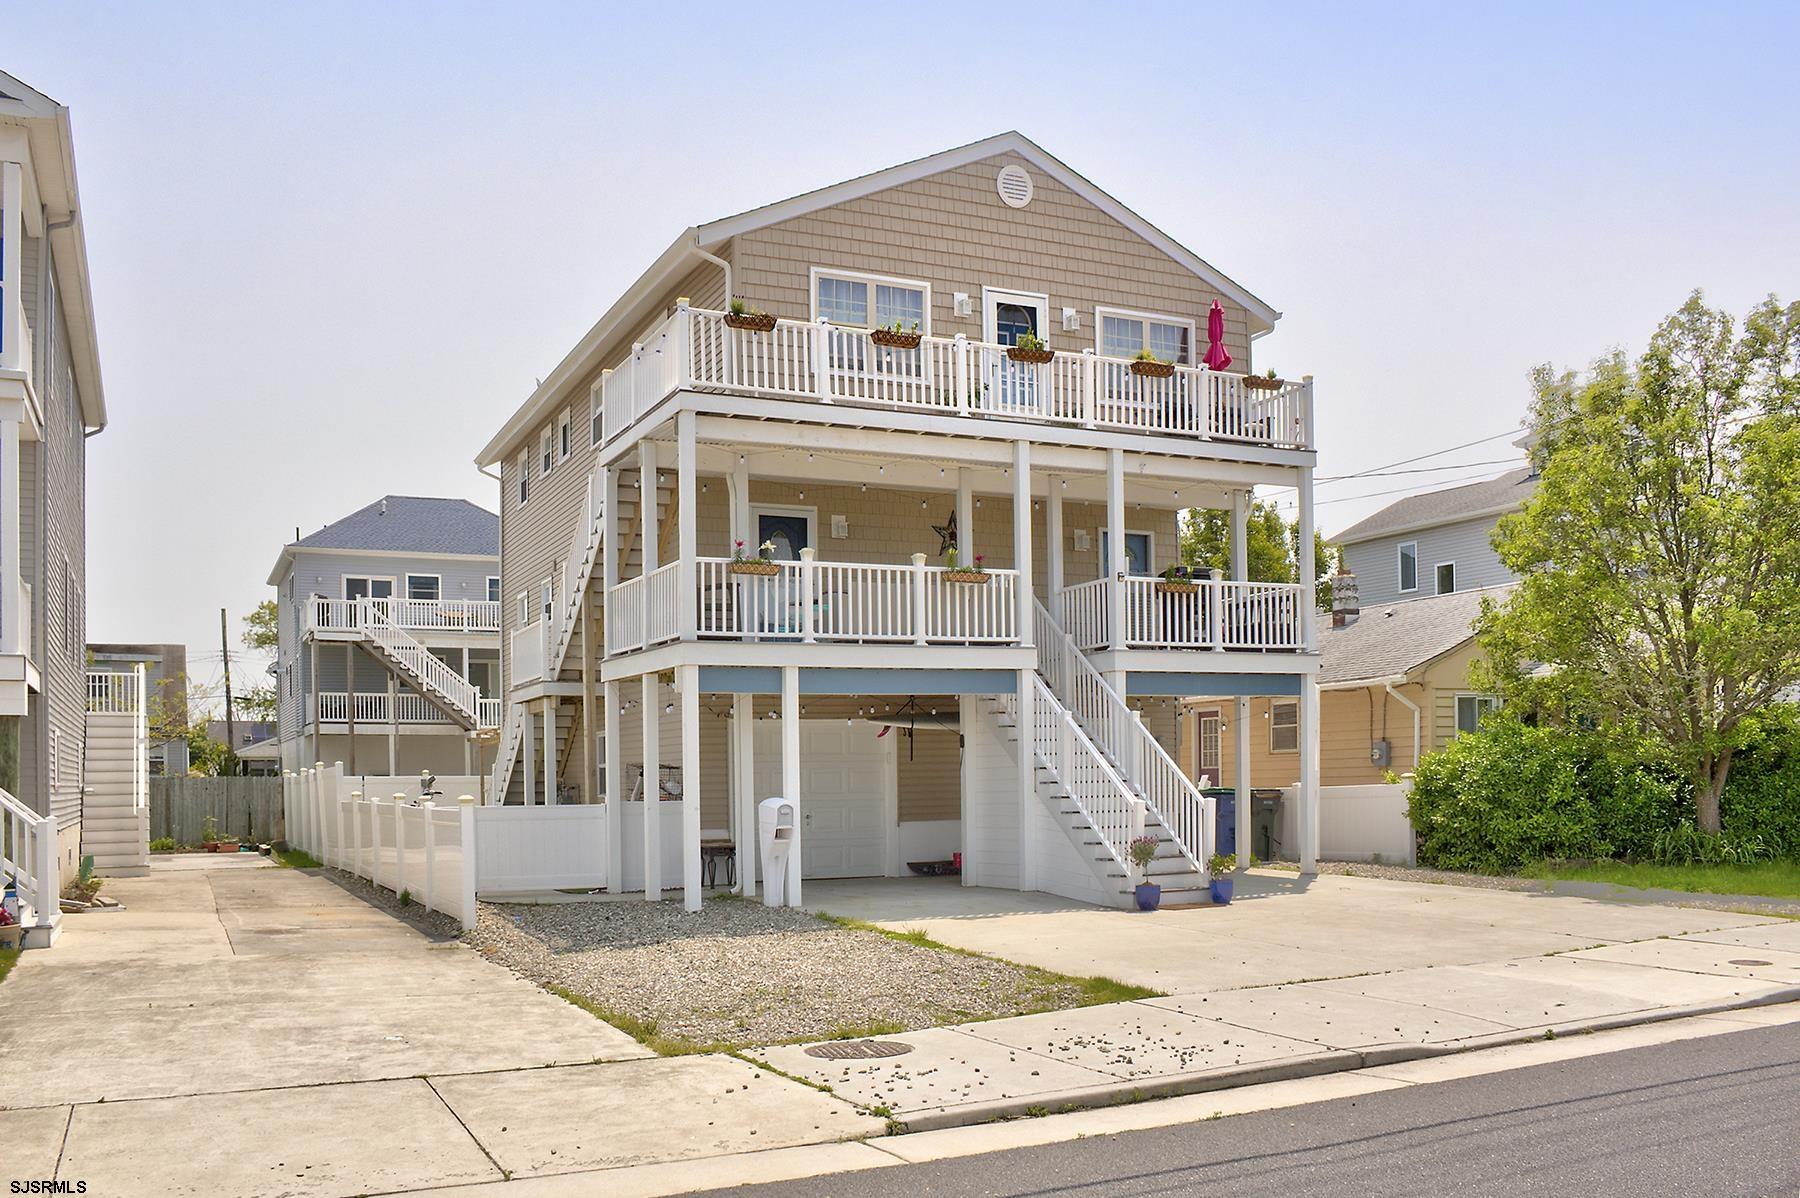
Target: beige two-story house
(861, 499)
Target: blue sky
(334, 245)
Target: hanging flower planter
(1172, 587)
(754, 322)
(755, 566)
(1257, 382)
(895, 339)
(1034, 357)
(1150, 368)
(967, 577)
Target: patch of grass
(863, 1031)
(163, 844)
(8, 958)
(644, 1031)
(1765, 879)
(297, 859)
(1093, 991)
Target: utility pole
(230, 718)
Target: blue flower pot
(1149, 896)
(1221, 890)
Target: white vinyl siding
(1468, 543)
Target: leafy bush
(163, 844)
(1762, 792)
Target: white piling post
(356, 833)
(430, 853)
(399, 844)
(467, 806)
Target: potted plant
(761, 564)
(743, 316)
(1143, 852)
(897, 335)
(974, 574)
(1264, 382)
(1222, 867)
(1030, 348)
(1148, 365)
(209, 834)
(1175, 581)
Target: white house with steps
(115, 817)
(726, 535)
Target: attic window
(1014, 185)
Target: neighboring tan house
(1394, 683)
(388, 652)
(1435, 543)
(51, 401)
(165, 667)
(888, 407)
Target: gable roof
(1397, 638)
(694, 244)
(1489, 497)
(406, 524)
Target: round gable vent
(1014, 186)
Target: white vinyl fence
(1356, 823)
(442, 855)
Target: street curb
(1335, 1060)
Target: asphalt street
(1718, 1115)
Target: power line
(1437, 453)
(1318, 482)
(1417, 488)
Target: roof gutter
(1388, 686)
(721, 264)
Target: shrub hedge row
(1510, 795)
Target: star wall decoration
(946, 534)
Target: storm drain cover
(858, 1050)
(1750, 961)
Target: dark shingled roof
(1444, 507)
(1398, 637)
(413, 524)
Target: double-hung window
(594, 414)
(1472, 709)
(871, 301)
(493, 588)
(1409, 566)
(524, 472)
(564, 442)
(1124, 334)
(424, 586)
(1284, 728)
(546, 451)
(1446, 578)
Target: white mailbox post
(778, 822)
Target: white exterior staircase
(448, 691)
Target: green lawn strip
(644, 1031)
(1763, 879)
(8, 958)
(296, 859)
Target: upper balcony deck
(333, 618)
(695, 349)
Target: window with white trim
(1284, 727)
(564, 443)
(871, 301)
(1409, 566)
(594, 422)
(524, 476)
(1446, 578)
(1472, 709)
(1123, 334)
(493, 588)
(524, 608)
(424, 586)
(546, 450)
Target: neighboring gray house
(389, 638)
(50, 402)
(165, 674)
(1435, 543)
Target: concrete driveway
(245, 1029)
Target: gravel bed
(737, 974)
(1409, 873)
(433, 923)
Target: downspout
(718, 262)
(1412, 707)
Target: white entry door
(846, 781)
(1008, 386)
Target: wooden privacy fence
(248, 808)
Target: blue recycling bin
(1225, 827)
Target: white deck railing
(113, 693)
(1058, 741)
(1214, 614)
(372, 707)
(527, 653)
(696, 348)
(432, 672)
(424, 615)
(28, 857)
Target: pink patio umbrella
(1216, 356)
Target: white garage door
(844, 775)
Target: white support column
(689, 683)
(743, 789)
(550, 751)
(1240, 729)
(528, 746)
(790, 756)
(1308, 584)
(615, 812)
(14, 619)
(688, 536)
(1053, 537)
(12, 273)
(393, 725)
(1240, 532)
(1027, 779)
(740, 507)
(965, 518)
(1309, 774)
(1022, 555)
(652, 717)
(1114, 565)
(647, 504)
(609, 531)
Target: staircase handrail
(500, 777)
(1058, 740)
(1147, 767)
(433, 674)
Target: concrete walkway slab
(33, 1140)
(605, 1116)
(1783, 935)
(1700, 956)
(1334, 1019)
(1135, 1041)
(946, 1068)
(325, 1140)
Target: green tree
(261, 701)
(1660, 555)
(1271, 546)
